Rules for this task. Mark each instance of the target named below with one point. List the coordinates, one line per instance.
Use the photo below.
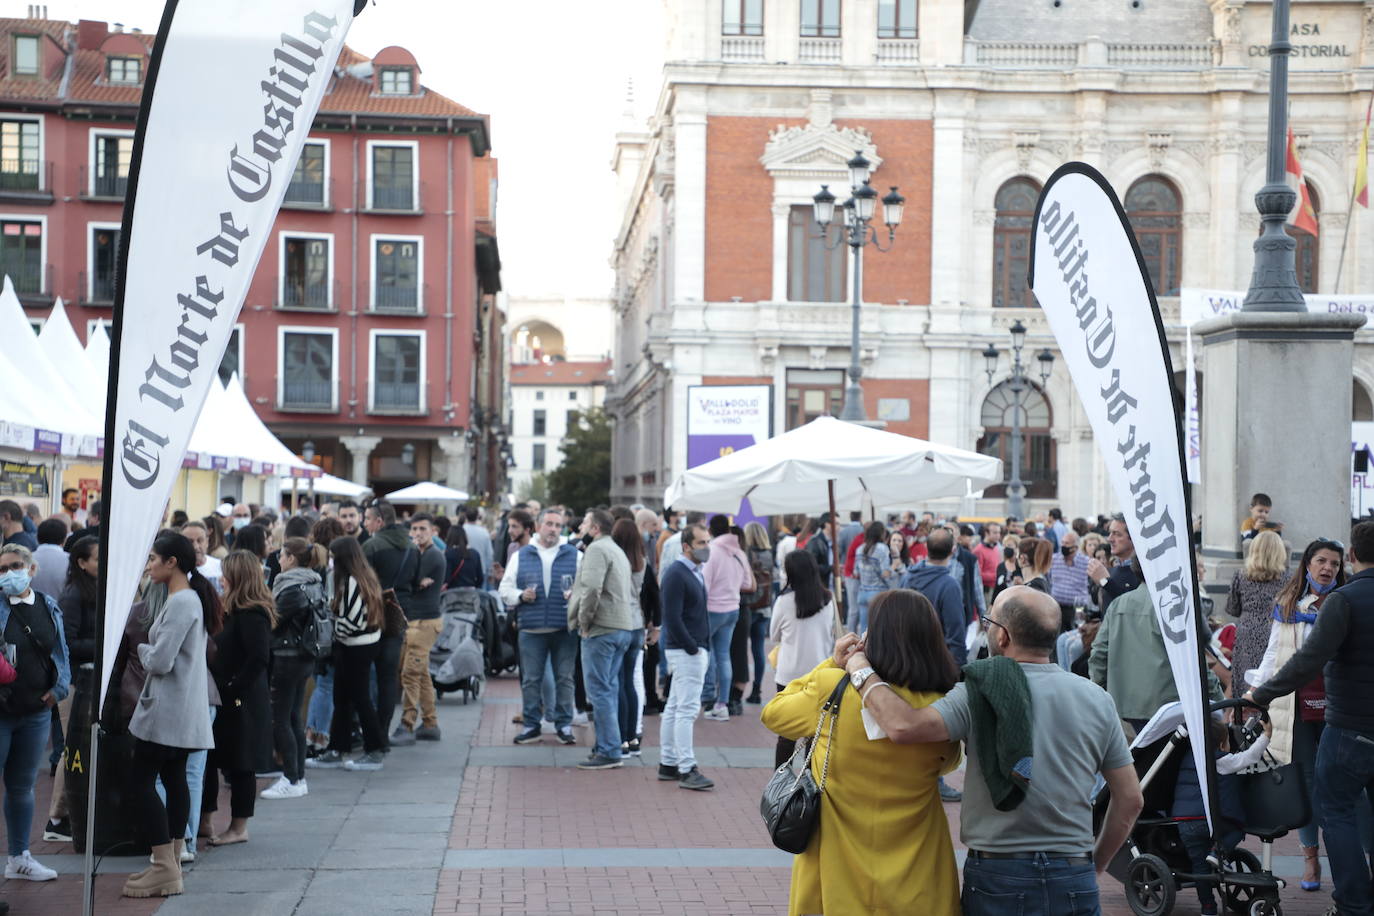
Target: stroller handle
(1239, 704)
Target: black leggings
(388, 665)
(352, 665)
(155, 822)
(243, 791)
(739, 653)
(289, 674)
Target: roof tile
(561, 373)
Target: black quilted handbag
(1275, 800)
(791, 804)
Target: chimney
(118, 27)
(91, 34)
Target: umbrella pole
(837, 571)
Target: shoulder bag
(791, 804)
(393, 615)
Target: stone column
(1276, 420)
(456, 462)
(360, 447)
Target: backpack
(761, 562)
(317, 633)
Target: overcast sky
(551, 74)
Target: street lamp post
(859, 211)
(1020, 385)
(1274, 283)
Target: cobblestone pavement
(476, 825)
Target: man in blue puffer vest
(533, 585)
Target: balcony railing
(741, 47)
(1160, 56)
(307, 395)
(306, 296)
(20, 175)
(31, 280)
(1040, 483)
(1092, 53)
(396, 395)
(384, 198)
(1058, 55)
(898, 51)
(111, 185)
(820, 50)
(98, 289)
(310, 193)
(396, 299)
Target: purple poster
(726, 418)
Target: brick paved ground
(531, 834)
(478, 826)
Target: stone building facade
(967, 107)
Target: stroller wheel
(1237, 898)
(1266, 906)
(1150, 888)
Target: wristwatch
(1102, 583)
(858, 677)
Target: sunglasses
(1328, 543)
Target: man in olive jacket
(603, 610)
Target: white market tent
(792, 472)
(64, 351)
(427, 492)
(53, 400)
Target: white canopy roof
(64, 350)
(53, 403)
(331, 485)
(231, 427)
(427, 492)
(789, 472)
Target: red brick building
(369, 339)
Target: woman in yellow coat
(882, 845)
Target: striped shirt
(1069, 580)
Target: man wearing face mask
(686, 645)
(240, 517)
(1069, 579)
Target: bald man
(1075, 736)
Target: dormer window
(396, 81)
(25, 55)
(124, 70)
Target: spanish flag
(1304, 216)
(1362, 161)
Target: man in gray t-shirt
(1042, 850)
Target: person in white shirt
(802, 627)
(206, 565)
(536, 585)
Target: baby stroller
(1153, 864)
(457, 661)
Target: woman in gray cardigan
(171, 719)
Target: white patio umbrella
(427, 492)
(828, 460)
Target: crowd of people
(267, 644)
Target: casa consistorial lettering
(296, 62)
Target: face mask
(15, 582)
(1066, 551)
(1311, 583)
(701, 554)
(240, 523)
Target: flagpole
(1350, 210)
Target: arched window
(1155, 210)
(1308, 247)
(1037, 445)
(1011, 238)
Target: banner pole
(93, 768)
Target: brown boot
(162, 880)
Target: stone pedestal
(456, 462)
(1276, 420)
(360, 448)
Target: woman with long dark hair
(243, 728)
(172, 716)
(803, 628)
(873, 563)
(626, 536)
(298, 592)
(882, 845)
(79, 600)
(1299, 718)
(462, 564)
(359, 614)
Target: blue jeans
(851, 605)
(537, 652)
(1034, 886)
(22, 740)
(1306, 738)
(758, 641)
(603, 660)
(321, 710)
(1345, 770)
(629, 697)
(680, 709)
(859, 619)
(718, 671)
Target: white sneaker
(276, 789)
(28, 868)
(581, 720)
(718, 713)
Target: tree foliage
(583, 479)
